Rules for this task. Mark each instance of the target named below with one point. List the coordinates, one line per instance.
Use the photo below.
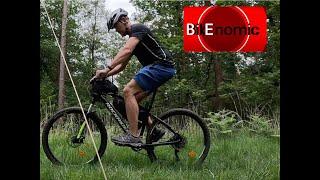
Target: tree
(61, 97)
(217, 104)
(258, 86)
(204, 81)
(49, 52)
(93, 31)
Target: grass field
(242, 155)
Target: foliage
(223, 122)
(252, 91)
(226, 122)
(251, 81)
(47, 96)
(263, 125)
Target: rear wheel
(191, 134)
(62, 143)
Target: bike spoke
(64, 144)
(191, 139)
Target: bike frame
(122, 122)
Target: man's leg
(132, 107)
(139, 97)
(157, 133)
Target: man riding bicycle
(157, 69)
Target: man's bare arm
(125, 52)
(122, 57)
(118, 68)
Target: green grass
(242, 155)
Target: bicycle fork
(84, 123)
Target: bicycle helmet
(115, 16)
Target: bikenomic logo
(231, 28)
(209, 29)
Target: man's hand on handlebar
(101, 73)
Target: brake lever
(92, 80)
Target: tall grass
(242, 155)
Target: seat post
(152, 100)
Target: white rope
(75, 90)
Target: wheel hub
(181, 142)
(76, 142)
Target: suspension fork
(84, 123)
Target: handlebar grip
(92, 80)
(95, 79)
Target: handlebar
(94, 79)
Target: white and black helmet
(115, 16)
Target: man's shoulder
(139, 27)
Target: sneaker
(157, 134)
(126, 139)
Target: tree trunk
(208, 73)
(217, 103)
(61, 98)
(94, 31)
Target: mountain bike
(66, 139)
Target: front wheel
(62, 142)
(188, 130)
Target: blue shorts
(152, 76)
